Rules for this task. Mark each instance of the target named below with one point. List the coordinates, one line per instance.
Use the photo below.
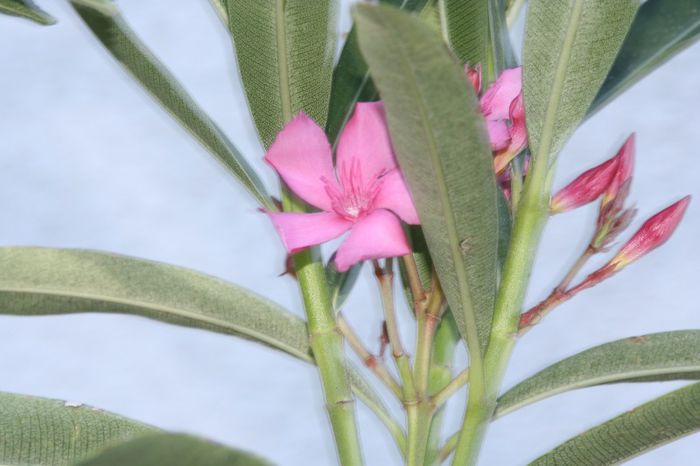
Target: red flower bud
(586, 188)
(652, 234)
(619, 185)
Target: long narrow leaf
(569, 48)
(662, 29)
(105, 21)
(439, 137)
(40, 281)
(39, 431)
(163, 449)
(285, 51)
(26, 9)
(351, 80)
(465, 24)
(648, 358)
(644, 428)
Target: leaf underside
(285, 51)
(648, 358)
(39, 431)
(644, 428)
(173, 450)
(26, 9)
(440, 141)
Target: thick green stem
(327, 346)
(529, 223)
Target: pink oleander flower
(365, 194)
(652, 234)
(619, 185)
(474, 75)
(604, 179)
(503, 109)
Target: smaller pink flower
(652, 234)
(365, 194)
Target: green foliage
(439, 137)
(163, 449)
(38, 281)
(340, 284)
(661, 29)
(26, 9)
(285, 51)
(351, 80)
(465, 24)
(645, 427)
(104, 20)
(39, 431)
(569, 48)
(647, 358)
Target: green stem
(529, 223)
(327, 346)
(446, 338)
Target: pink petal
(302, 156)
(518, 130)
(300, 230)
(474, 75)
(393, 195)
(365, 143)
(377, 235)
(499, 135)
(623, 174)
(495, 104)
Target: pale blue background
(87, 160)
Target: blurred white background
(88, 160)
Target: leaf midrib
(547, 133)
(467, 305)
(595, 381)
(165, 309)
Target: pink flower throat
(353, 197)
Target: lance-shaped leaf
(440, 140)
(647, 358)
(285, 51)
(42, 281)
(569, 48)
(39, 431)
(173, 450)
(351, 80)
(26, 9)
(633, 433)
(465, 25)
(105, 21)
(661, 29)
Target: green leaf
(173, 450)
(644, 428)
(285, 51)
(351, 80)
(465, 24)
(38, 281)
(105, 21)
(502, 52)
(26, 9)
(43, 281)
(661, 29)
(440, 140)
(340, 284)
(648, 358)
(569, 48)
(39, 431)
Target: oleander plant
(429, 150)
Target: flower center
(353, 197)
